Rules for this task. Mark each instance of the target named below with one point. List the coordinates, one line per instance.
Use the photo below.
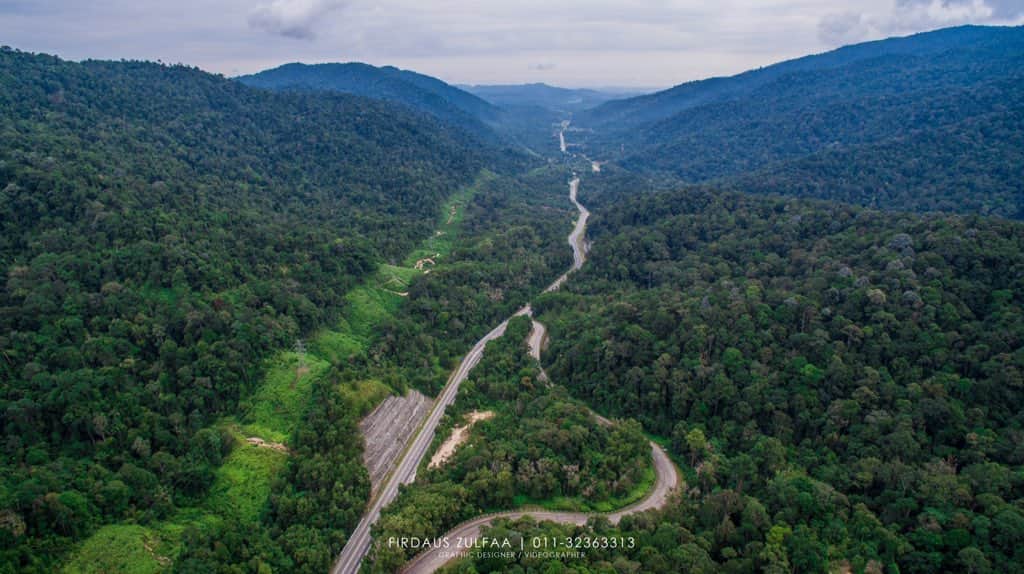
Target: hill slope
(972, 166)
(842, 386)
(420, 92)
(928, 98)
(627, 113)
(161, 230)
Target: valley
(405, 471)
(282, 321)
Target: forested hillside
(161, 230)
(513, 246)
(508, 128)
(417, 91)
(972, 166)
(648, 108)
(844, 386)
(208, 282)
(932, 121)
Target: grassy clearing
(365, 395)
(336, 347)
(136, 549)
(124, 549)
(274, 411)
(452, 214)
(242, 485)
(368, 306)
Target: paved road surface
(666, 483)
(577, 239)
(538, 333)
(405, 471)
(667, 476)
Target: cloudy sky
(597, 43)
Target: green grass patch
(242, 485)
(394, 277)
(274, 411)
(123, 549)
(337, 347)
(367, 307)
(452, 213)
(137, 549)
(364, 395)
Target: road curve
(667, 478)
(404, 472)
(667, 481)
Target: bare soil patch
(458, 436)
(260, 443)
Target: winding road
(667, 477)
(666, 483)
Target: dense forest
(972, 166)
(929, 122)
(515, 127)
(647, 109)
(161, 230)
(842, 385)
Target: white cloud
(843, 28)
(898, 17)
(292, 18)
(594, 42)
(917, 14)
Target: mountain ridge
(389, 83)
(864, 99)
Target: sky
(574, 43)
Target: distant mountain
(900, 111)
(417, 91)
(545, 96)
(666, 103)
